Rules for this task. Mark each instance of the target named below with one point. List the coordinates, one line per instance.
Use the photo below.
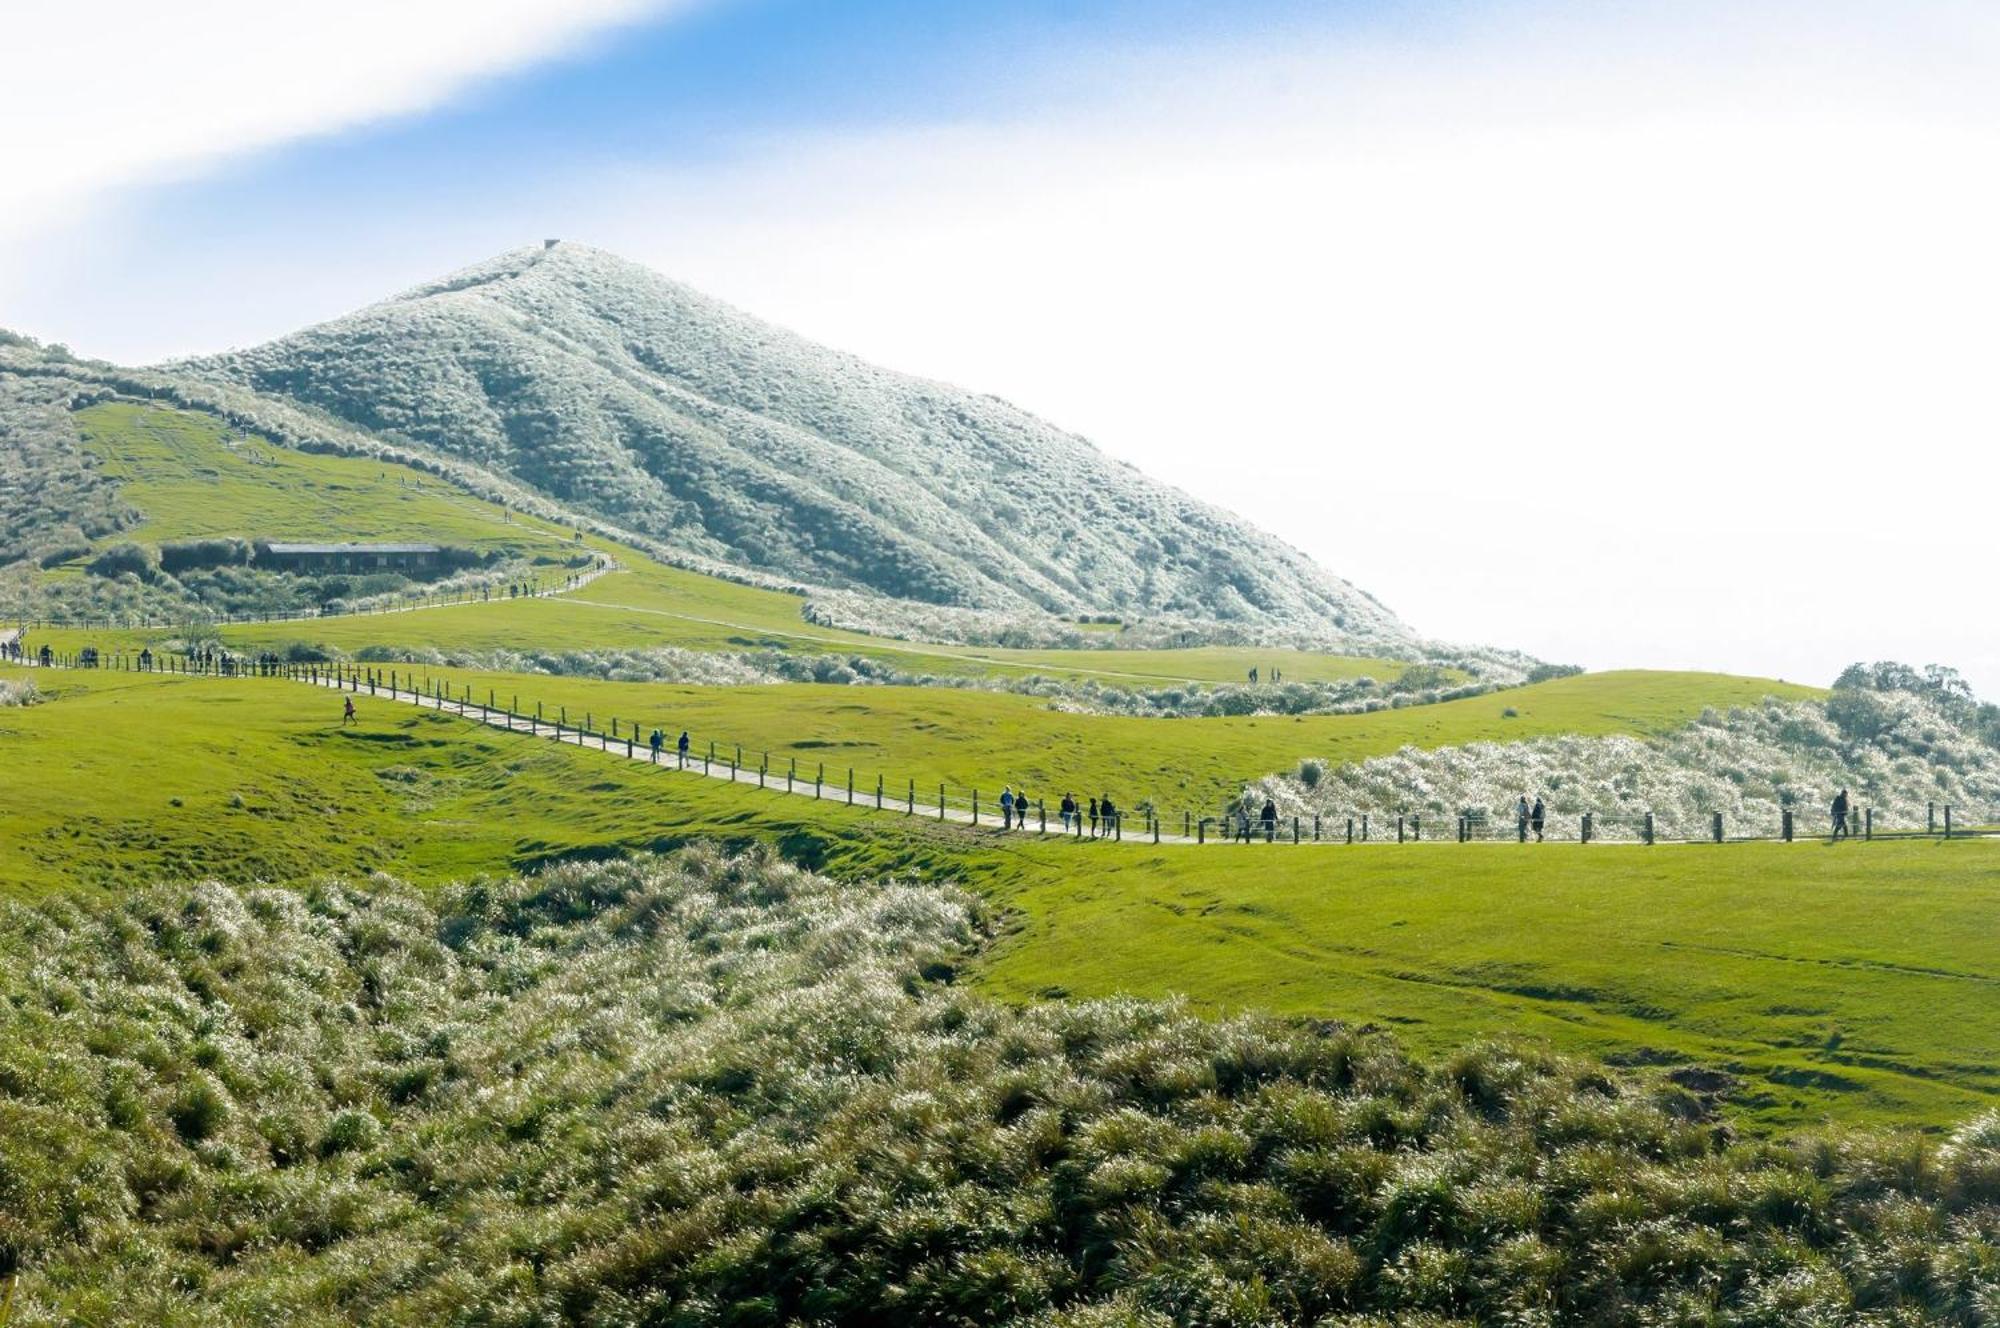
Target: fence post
(975, 806)
(1417, 829)
(1586, 827)
(1649, 827)
(1350, 829)
(1295, 830)
(1785, 824)
(1718, 827)
(791, 774)
(1523, 827)
(850, 786)
(1868, 824)
(940, 802)
(1042, 816)
(878, 793)
(913, 799)
(1187, 824)
(1930, 819)
(819, 779)
(1399, 829)
(1201, 831)
(709, 759)
(1947, 820)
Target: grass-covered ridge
(703, 1089)
(1856, 983)
(189, 476)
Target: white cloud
(1617, 350)
(108, 93)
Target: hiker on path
(1007, 807)
(1521, 814)
(1839, 816)
(347, 712)
(1270, 818)
(1253, 676)
(1110, 814)
(658, 742)
(1093, 818)
(1538, 817)
(682, 747)
(1242, 824)
(1068, 810)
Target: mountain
(617, 391)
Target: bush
(177, 556)
(706, 1088)
(126, 559)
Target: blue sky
(1517, 313)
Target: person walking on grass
(1538, 817)
(1839, 816)
(347, 712)
(1007, 807)
(1270, 818)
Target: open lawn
(1857, 982)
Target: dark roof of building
(276, 547)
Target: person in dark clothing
(1007, 807)
(1253, 676)
(1093, 818)
(1839, 815)
(1538, 817)
(658, 742)
(1109, 813)
(1243, 825)
(347, 712)
(1068, 810)
(682, 746)
(1270, 818)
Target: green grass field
(981, 740)
(1858, 982)
(189, 478)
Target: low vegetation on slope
(1856, 983)
(1903, 743)
(701, 1089)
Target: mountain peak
(617, 390)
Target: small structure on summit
(351, 557)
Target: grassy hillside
(189, 476)
(983, 740)
(703, 1090)
(1857, 983)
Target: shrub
(126, 559)
(708, 1088)
(177, 556)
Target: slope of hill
(611, 388)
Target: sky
(1624, 333)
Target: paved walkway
(892, 801)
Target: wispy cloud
(112, 93)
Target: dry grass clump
(702, 1089)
